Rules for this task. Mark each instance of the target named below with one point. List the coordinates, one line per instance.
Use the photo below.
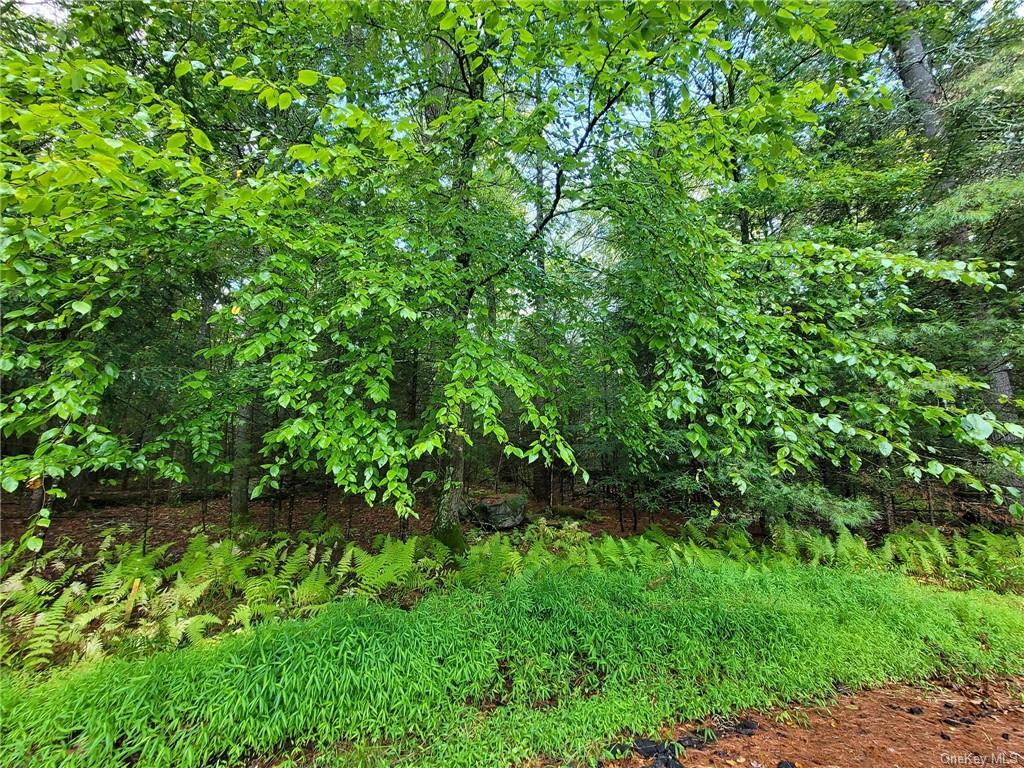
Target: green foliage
(547, 663)
(978, 559)
(58, 611)
(695, 248)
(805, 504)
(378, 235)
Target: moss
(451, 535)
(575, 513)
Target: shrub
(805, 504)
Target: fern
(312, 590)
(853, 552)
(57, 611)
(46, 628)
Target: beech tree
(358, 241)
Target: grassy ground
(545, 665)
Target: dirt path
(893, 727)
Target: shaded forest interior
(446, 383)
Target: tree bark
(890, 513)
(923, 90)
(914, 69)
(1001, 396)
(240, 465)
(447, 525)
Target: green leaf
(176, 141)
(884, 447)
(437, 7)
(236, 83)
(1014, 429)
(335, 85)
(201, 139)
(82, 307)
(182, 68)
(34, 544)
(976, 426)
(9, 484)
(308, 77)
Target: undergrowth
(551, 662)
(58, 610)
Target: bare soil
(898, 726)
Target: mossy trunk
(447, 525)
(240, 466)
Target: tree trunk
(1001, 396)
(447, 525)
(240, 466)
(915, 73)
(541, 482)
(1000, 380)
(923, 90)
(205, 503)
(291, 499)
(38, 499)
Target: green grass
(62, 609)
(551, 664)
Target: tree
(367, 240)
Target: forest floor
(174, 524)
(896, 727)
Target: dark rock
(915, 710)
(949, 705)
(648, 748)
(500, 513)
(665, 760)
(785, 764)
(1006, 736)
(746, 727)
(958, 721)
(944, 736)
(692, 741)
(663, 752)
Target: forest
(528, 383)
